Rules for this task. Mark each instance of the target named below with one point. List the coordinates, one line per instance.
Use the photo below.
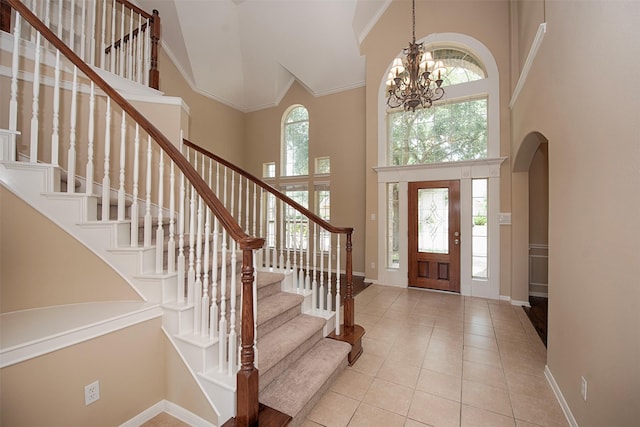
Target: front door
(434, 235)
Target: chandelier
(416, 80)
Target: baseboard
(561, 400)
(520, 303)
(170, 408)
(539, 294)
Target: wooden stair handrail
(315, 218)
(228, 222)
(135, 8)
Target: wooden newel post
(5, 16)
(349, 311)
(247, 377)
(154, 74)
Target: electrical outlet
(91, 392)
(583, 388)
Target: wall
(49, 390)
(385, 42)
(336, 129)
(590, 119)
(27, 238)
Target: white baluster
(197, 291)
(83, 30)
(112, 50)
(294, 246)
(255, 309)
(36, 102)
(121, 51)
(233, 341)
(73, 115)
(123, 164)
(205, 282)
(55, 133)
(147, 213)
(191, 274)
(255, 206)
(337, 284)
(233, 192)
(302, 284)
(322, 293)
(246, 204)
(329, 281)
(136, 173)
(15, 60)
(160, 227)
(181, 262)
(129, 51)
(314, 280)
(171, 244)
(262, 221)
(92, 43)
(222, 346)
(138, 61)
(307, 279)
(213, 328)
(103, 28)
(239, 200)
(287, 232)
(106, 180)
(147, 53)
(283, 231)
(90, 138)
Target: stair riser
(277, 321)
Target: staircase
(178, 224)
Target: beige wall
(336, 129)
(137, 367)
(27, 237)
(539, 197)
(385, 41)
(49, 390)
(593, 203)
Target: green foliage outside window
(444, 133)
(296, 142)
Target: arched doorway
(531, 165)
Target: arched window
(453, 129)
(295, 141)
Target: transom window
(295, 142)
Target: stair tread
(275, 345)
(292, 390)
(276, 304)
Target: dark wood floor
(538, 314)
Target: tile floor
(436, 359)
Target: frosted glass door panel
(433, 220)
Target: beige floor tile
(476, 417)
(334, 410)
(434, 410)
(399, 372)
(309, 423)
(529, 385)
(368, 364)
(480, 342)
(520, 423)
(375, 347)
(447, 386)
(485, 374)
(480, 355)
(370, 416)
(450, 366)
(480, 319)
(524, 365)
(413, 423)
(475, 329)
(537, 411)
(352, 383)
(485, 397)
(389, 396)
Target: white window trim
(464, 171)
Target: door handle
(457, 241)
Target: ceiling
(247, 53)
